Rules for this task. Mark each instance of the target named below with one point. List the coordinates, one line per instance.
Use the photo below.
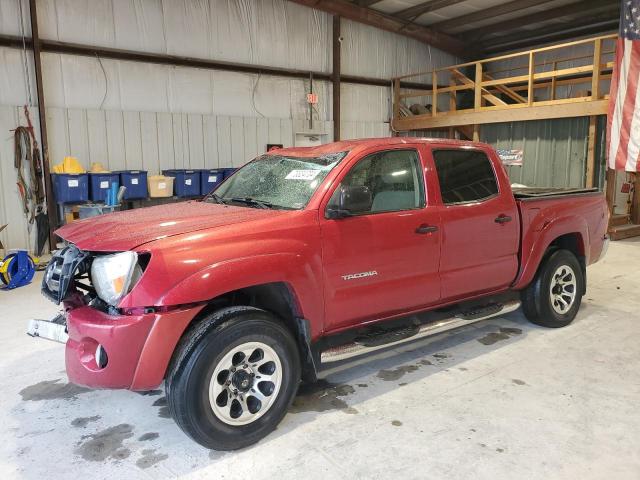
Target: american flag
(623, 122)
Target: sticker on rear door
(302, 174)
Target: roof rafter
(366, 3)
(491, 12)
(425, 7)
(578, 8)
(376, 19)
(550, 34)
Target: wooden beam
(337, 69)
(595, 80)
(512, 113)
(591, 152)
(532, 70)
(635, 201)
(389, 23)
(425, 7)
(490, 12)
(476, 133)
(42, 117)
(492, 99)
(434, 94)
(477, 91)
(580, 8)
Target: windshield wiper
(216, 198)
(252, 202)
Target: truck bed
(524, 193)
(543, 209)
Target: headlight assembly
(114, 276)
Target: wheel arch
(278, 298)
(563, 233)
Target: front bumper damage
(105, 346)
(54, 329)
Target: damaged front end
(64, 274)
(63, 282)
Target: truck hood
(129, 229)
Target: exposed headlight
(114, 276)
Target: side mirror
(349, 200)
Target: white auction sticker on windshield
(302, 174)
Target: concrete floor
(499, 400)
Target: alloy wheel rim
(562, 291)
(245, 383)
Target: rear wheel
(234, 378)
(554, 296)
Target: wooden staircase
(620, 227)
(494, 94)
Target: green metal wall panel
(555, 151)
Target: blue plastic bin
(210, 179)
(186, 183)
(70, 188)
(136, 183)
(100, 185)
(229, 171)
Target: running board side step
(364, 345)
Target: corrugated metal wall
(555, 151)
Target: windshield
(277, 181)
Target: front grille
(64, 266)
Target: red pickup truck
(305, 257)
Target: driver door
(382, 259)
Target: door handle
(424, 228)
(503, 218)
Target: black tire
(201, 351)
(538, 299)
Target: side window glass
(382, 182)
(464, 176)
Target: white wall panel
(196, 141)
(58, 136)
(13, 86)
(237, 142)
(78, 136)
(368, 51)
(165, 141)
(149, 140)
(97, 135)
(132, 140)
(210, 137)
(223, 125)
(266, 32)
(10, 17)
(115, 141)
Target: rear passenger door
(480, 227)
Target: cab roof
(364, 143)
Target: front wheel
(234, 378)
(554, 296)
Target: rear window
(465, 176)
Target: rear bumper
(138, 347)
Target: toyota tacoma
(306, 257)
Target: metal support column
(51, 210)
